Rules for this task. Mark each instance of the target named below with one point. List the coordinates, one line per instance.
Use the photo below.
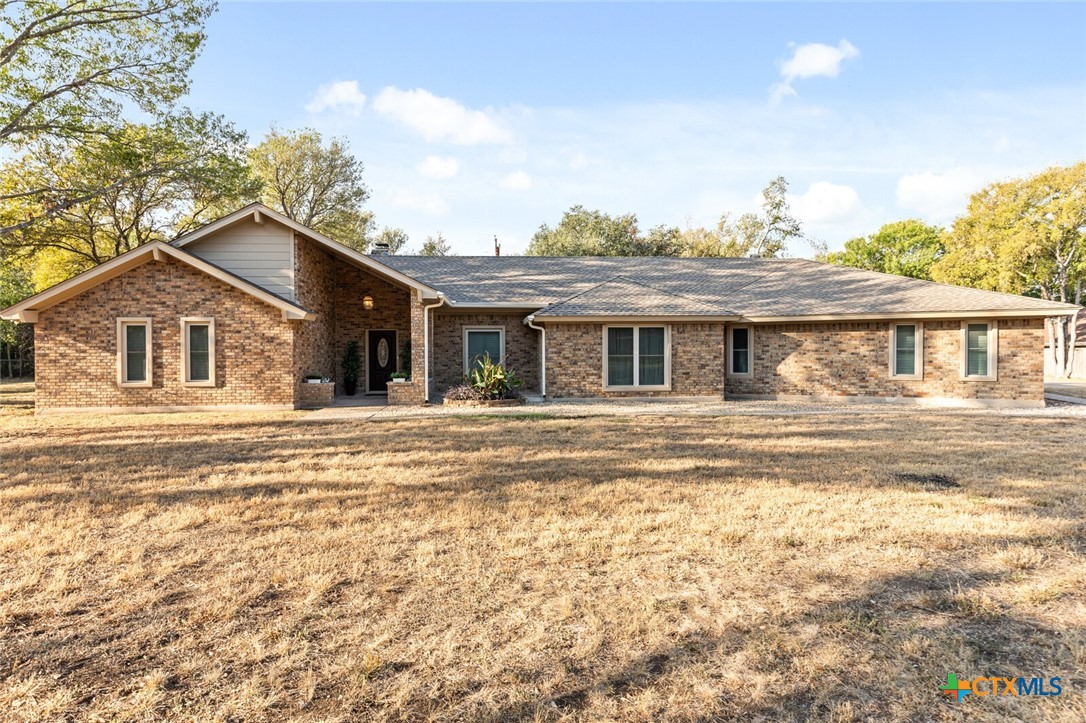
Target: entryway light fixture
(367, 302)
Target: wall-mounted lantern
(367, 302)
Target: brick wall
(521, 346)
(76, 343)
(391, 310)
(575, 361)
(852, 359)
(315, 289)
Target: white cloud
(439, 167)
(427, 203)
(826, 203)
(939, 196)
(578, 162)
(341, 96)
(517, 181)
(809, 61)
(440, 119)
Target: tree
(1026, 236)
(68, 70)
(587, 233)
(905, 248)
(15, 285)
(764, 235)
(314, 184)
(179, 173)
(435, 246)
(393, 238)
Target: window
(636, 357)
(979, 350)
(134, 352)
(739, 352)
(906, 351)
(198, 352)
(480, 341)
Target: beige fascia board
(1003, 314)
(137, 257)
(541, 319)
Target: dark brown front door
(382, 360)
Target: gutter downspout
(530, 321)
(426, 343)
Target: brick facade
(261, 359)
(521, 346)
(575, 361)
(852, 359)
(76, 343)
(315, 347)
(391, 310)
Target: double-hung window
(907, 351)
(739, 351)
(481, 342)
(636, 357)
(134, 352)
(198, 351)
(980, 342)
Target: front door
(382, 360)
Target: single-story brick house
(235, 314)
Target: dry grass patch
(260, 568)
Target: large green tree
(904, 248)
(1026, 236)
(178, 173)
(69, 70)
(765, 234)
(582, 232)
(316, 184)
(435, 246)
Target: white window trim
(919, 364)
(750, 352)
(501, 343)
(186, 322)
(666, 386)
(993, 350)
(122, 351)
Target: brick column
(418, 364)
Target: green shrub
(494, 381)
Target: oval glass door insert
(382, 352)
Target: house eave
(27, 310)
(974, 314)
(634, 318)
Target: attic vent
(379, 249)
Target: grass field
(255, 568)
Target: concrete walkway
(667, 407)
(1071, 391)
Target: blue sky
(478, 120)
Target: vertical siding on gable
(261, 253)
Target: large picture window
(198, 352)
(636, 357)
(979, 350)
(907, 351)
(481, 341)
(134, 352)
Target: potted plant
(400, 377)
(352, 366)
(313, 378)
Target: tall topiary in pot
(352, 366)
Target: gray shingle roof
(742, 286)
(620, 296)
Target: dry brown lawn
(254, 568)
